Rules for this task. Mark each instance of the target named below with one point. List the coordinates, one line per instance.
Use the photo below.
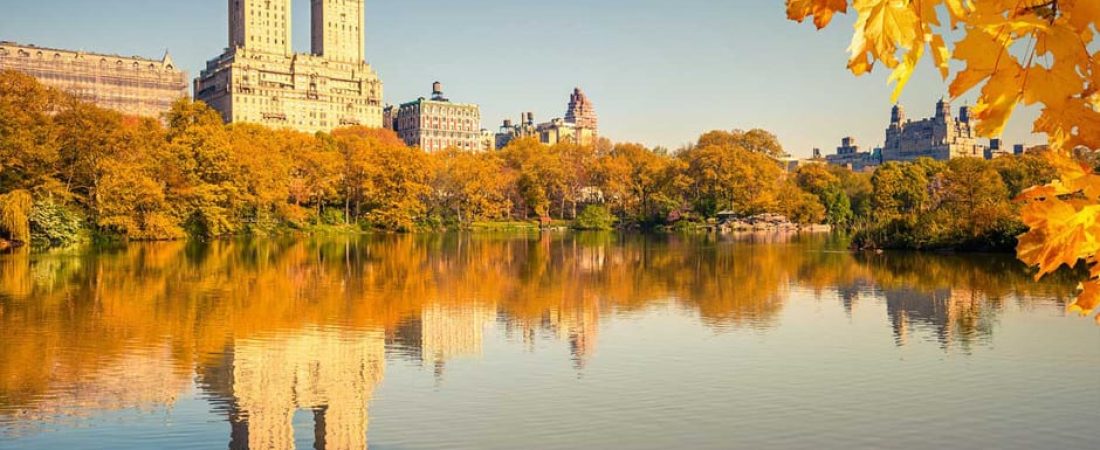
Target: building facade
(849, 155)
(510, 131)
(437, 123)
(941, 137)
(581, 112)
(580, 125)
(259, 79)
(128, 84)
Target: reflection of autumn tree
(956, 297)
(68, 318)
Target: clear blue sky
(659, 72)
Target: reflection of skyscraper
(451, 331)
(330, 372)
(442, 333)
(580, 325)
(953, 315)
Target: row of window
(442, 144)
(103, 62)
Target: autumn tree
(389, 180)
(1039, 53)
(640, 184)
(28, 135)
(472, 186)
(539, 175)
(577, 162)
(201, 173)
(132, 198)
(728, 176)
(821, 181)
(755, 140)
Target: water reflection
(261, 382)
(268, 329)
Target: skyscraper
(259, 79)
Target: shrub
(594, 217)
(53, 224)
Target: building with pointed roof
(131, 85)
(581, 112)
(580, 125)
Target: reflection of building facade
(127, 84)
(952, 315)
(436, 124)
(331, 373)
(259, 79)
(941, 137)
(443, 332)
(452, 331)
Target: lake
(548, 341)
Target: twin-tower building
(259, 79)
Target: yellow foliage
(15, 211)
(822, 10)
(1031, 52)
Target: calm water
(528, 341)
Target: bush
(595, 217)
(53, 224)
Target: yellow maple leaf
(1088, 300)
(1081, 13)
(982, 53)
(1061, 233)
(999, 97)
(883, 27)
(940, 54)
(821, 10)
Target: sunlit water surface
(529, 341)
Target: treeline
(68, 167)
(963, 204)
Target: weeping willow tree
(15, 210)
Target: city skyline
(681, 70)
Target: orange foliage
(1030, 52)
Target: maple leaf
(999, 97)
(1081, 14)
(982, 53)
(1035, 52)
(822, 10)
(883, 26)
(1088, 300)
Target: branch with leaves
(1019, 52)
